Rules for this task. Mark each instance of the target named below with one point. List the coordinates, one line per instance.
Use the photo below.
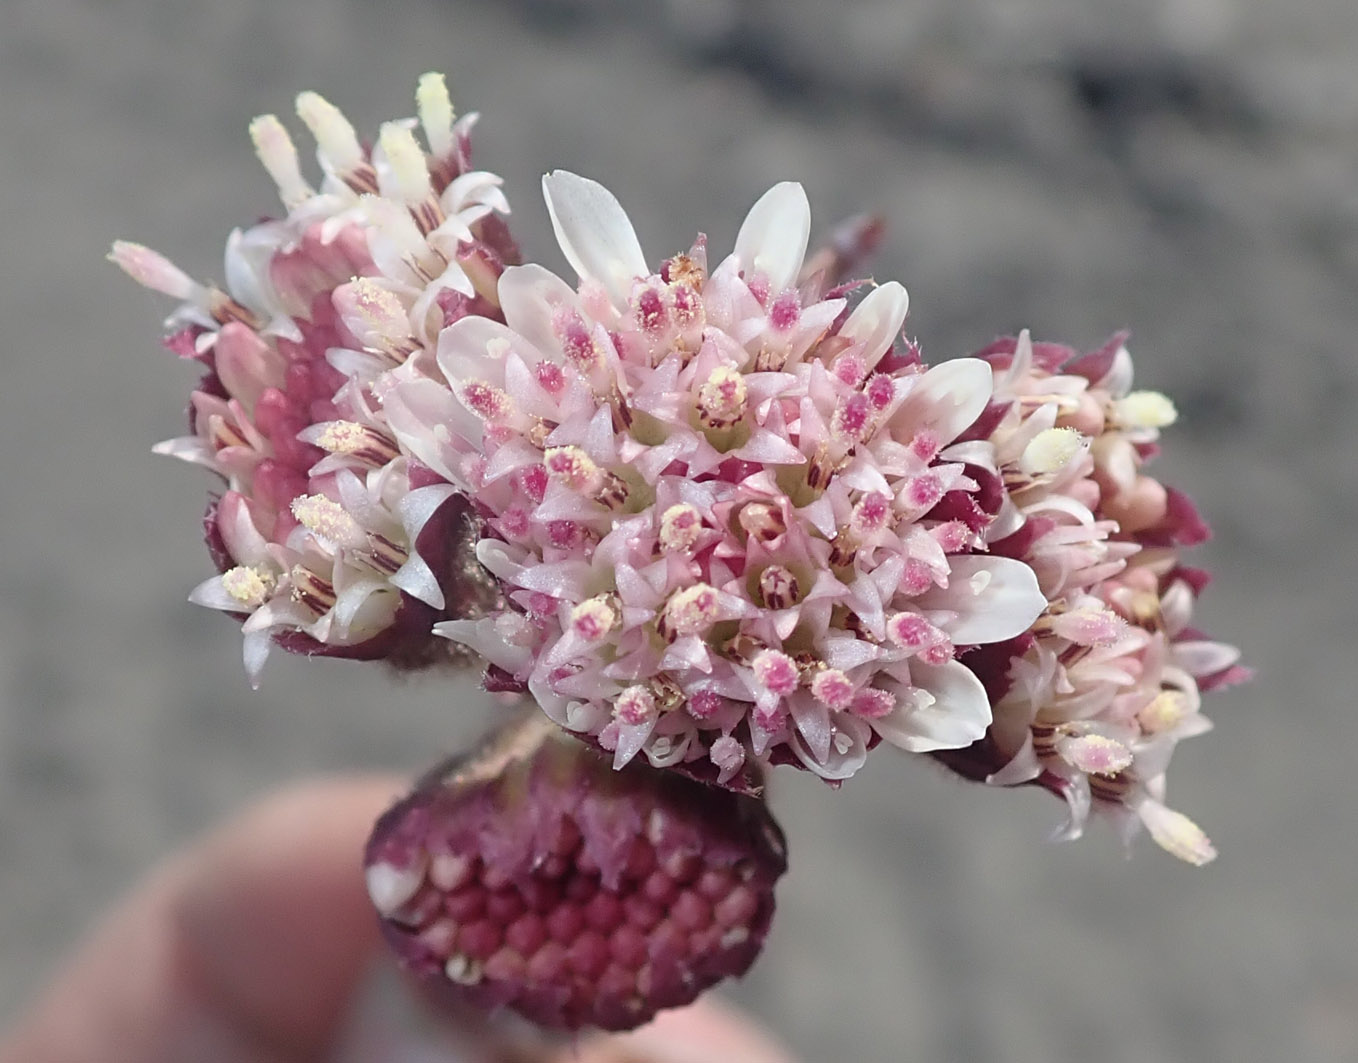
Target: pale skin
(249, 947)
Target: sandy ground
(1188, 169)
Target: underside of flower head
(316, 532)
(532, 876)
(728, 515)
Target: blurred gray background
(1186, 168)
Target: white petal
(847, 752)
(211, 594)
(594, 233)
(877, 320)
(948, 398)
(772, 239)
(994, 598)
(528, 296)
(957, 716)
(1201, 658)
(631, 737)
(254, 652)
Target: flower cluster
(726, 511)
(315, 533)
(1091, 701)
(708, 517)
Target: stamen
(574, 468)
(337, 143)
(409, 170)
(852, 419)
(763, 521)
(833, 689)
(881, 390)
(531, 483)
(850, 370)
(1051, 451)
(721, 400)
(1144, 409)
(1094, 754)
(550, 376)
(705, 704)
(776, 672)
(786, 311)
(635, 705)
(594, 618)
(650, 312)
(952, 536)
(923, 492)
(778, 587)
(614, 491)
(1165, 712)
(311, 590)
(684, 270)
(385, 555)
(690, 611)
(871, 514)
(681, 526)
(376, 316)
(436, 113)
(327, 520)
(275, 151)
(248, 585)
(872, 704)
(576, 341)
(493, 405)
(359, 441)
(153, 270)
(1089, 626)
(687, 303)
(911, 631)
(1177, 834)
(917, 578)
(925, 445)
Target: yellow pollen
(680, 528)
(334, 135)
(691, 611)
(1165, 712)
(593, 618)
(275, 151)
(409, 170)
(721, 400)
(342, 437)
(325, 518)
(1051, 451)
(1179, 836)
(247, 585)
(573, 467)
(380, 309)
(1094, 754)
(1144, 409)
(436, 113)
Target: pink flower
(1092, 700)
(314, 536)
(728, 518)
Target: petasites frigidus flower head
(532, 876)
(727, 512)
(1091, 701)
(314, 535)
